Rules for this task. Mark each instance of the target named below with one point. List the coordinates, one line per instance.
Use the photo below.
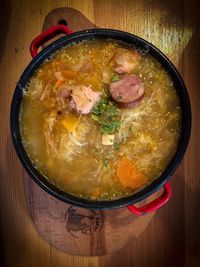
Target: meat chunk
(128, 90)
(83, 99)
(72, 105)
(63, 92)
(125, 61)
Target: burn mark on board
(83, 221)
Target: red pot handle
(155, 204)
(46, 36)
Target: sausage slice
(128, 90)
(125, 60)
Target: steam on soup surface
(100, 120)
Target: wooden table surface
(172, 238)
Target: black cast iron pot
(137, 43)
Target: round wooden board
(81, 231)
(69, 228)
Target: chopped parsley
(116, 146)
(115, 78)
(130, 129)
(96, 150)
(107, 115)
(105, 162)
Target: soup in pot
(100, 120)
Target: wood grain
(172, 238)
(81, 231)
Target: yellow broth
(76, 161)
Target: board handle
(46, 36)
(155, 204)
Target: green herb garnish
(115, 78)
(105, 162)
(130, 129)
(116, 146)
(96, 150)
(107, 115)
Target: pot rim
(132, 40)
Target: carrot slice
(69, 74)
(95, 192)
(58, 83)
(71, 122)
(129, 175)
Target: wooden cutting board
(69, 228)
